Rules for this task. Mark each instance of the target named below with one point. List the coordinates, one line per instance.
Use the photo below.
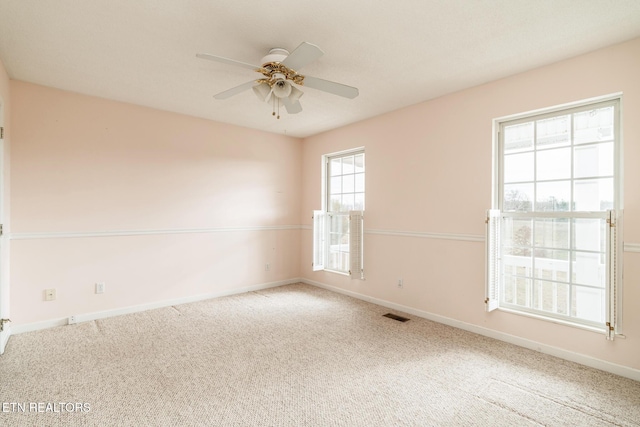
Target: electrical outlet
(267, 267)
(400, 283)
(100, 288)
(49, 294)
(73, 320)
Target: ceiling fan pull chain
(278, 108)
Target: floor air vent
(395, 317)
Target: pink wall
(181, 188)
(429, 171)
(5, 99)
(151, 202)
(5, 102)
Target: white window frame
(495, 219)
(322, 225)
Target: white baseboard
(36, 326)
(86, 317)
(582, 359)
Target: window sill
(599, 330)
(342, 273)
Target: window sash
(344, 188)
(337, 249)
(495, 274)
(322, 245)
(499, 153)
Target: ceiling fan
(280, 79)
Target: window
(551, 237)
(338, 228)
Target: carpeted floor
(295, 355)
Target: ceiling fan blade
(302, 55)
(235, 90)
(292, 107)
(227, 61)
(331, 87)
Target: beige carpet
(295, 356)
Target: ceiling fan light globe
(282, 88)
(262, 91)
(295, 94)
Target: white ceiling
(398, 53)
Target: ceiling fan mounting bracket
(275, 55)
